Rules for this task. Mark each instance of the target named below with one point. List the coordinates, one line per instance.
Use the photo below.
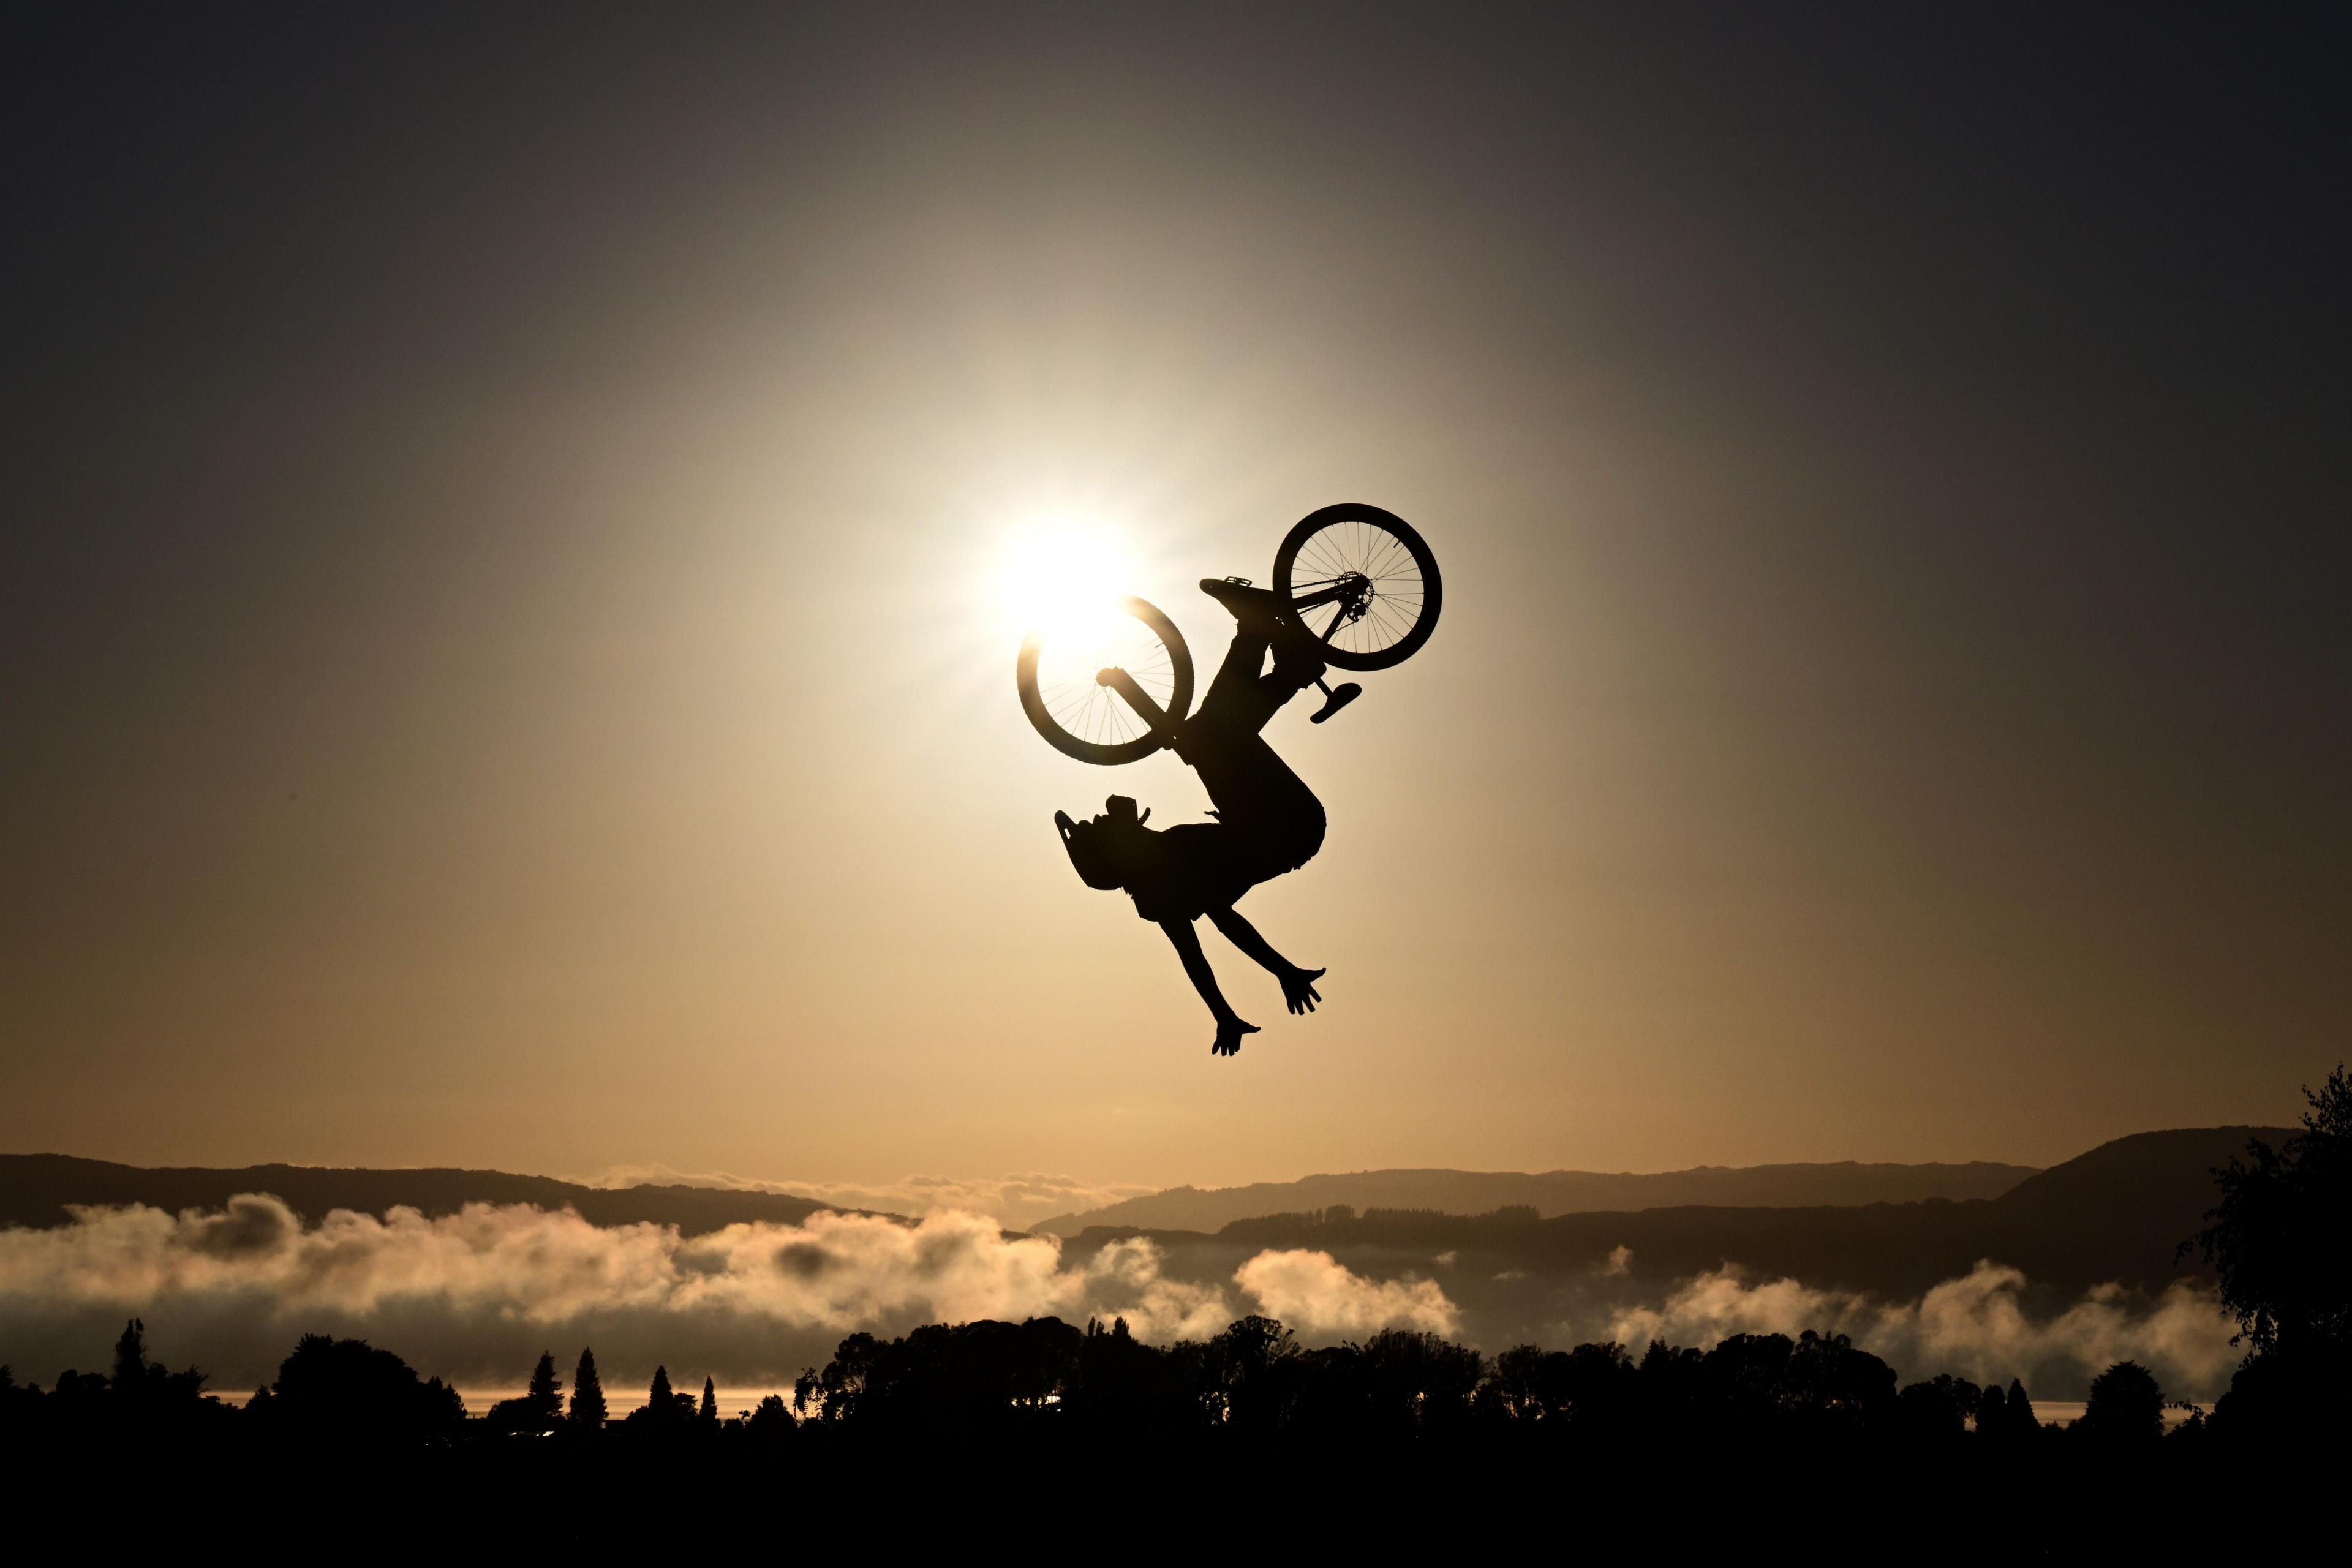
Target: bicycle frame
(1353, 592)
(1350, 593)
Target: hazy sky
(503, 659)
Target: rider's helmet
(1100, 850)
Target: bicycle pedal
(1239, 581)
(1342, 695)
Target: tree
(1924, 1414)
(1520, 1383)
(2275, 1244)
(2021, 1418)
(587, 1393)
(539, 1410)
(708, 1413)
(131, 1358)
(1419, 1379)
(2274, 1240)
(1993, 1411)
(347, 1389)
(665, 1407)
(545, 1395)
(838, 1389)
(2126, 1405)
(770, 1422)
(1244, 1372)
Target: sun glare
(1064, 579)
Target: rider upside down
(1268, 822)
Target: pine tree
(708, 1413)
(587, 1393)
(662, 1403)
(545, 1395)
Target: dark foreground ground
(1672, 1500)
(1042, 1436)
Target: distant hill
(1553, 1192)
(2117, 1213)
(35, 1189)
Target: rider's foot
(1258, 610)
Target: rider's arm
(1230, 1026)
(1243, 935)
(1298, 984)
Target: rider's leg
(1233, 697)
(1244, 694)
(1268, 806)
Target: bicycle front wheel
(1081, 718)
(1363, 581)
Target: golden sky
(505, 658)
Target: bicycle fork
(1157, 717)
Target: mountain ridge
(2117, 1213)
(1797, 1184)
(35, 1189)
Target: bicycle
(1118, 692)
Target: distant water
(735, 1401)
(2065, 1412)
(732, 1401)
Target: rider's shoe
(1261, 612)
(1258, 610)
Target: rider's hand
(1230, 1031)
(1298, 989)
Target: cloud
(474, 1296)
(1976, 1326)
(475, 1291)
(1017, 1201)
(1314, 1293)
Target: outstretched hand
(1230, 1031)
(1299, 988)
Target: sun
(1062, 578)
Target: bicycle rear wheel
(1375, 578)
(1082, 718)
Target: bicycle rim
(1079, 717)
(1403, 591)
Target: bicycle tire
(1431, 590)
(1100, 752)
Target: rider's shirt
(1191, 871)
(1271, 824)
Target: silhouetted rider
(1268, 821)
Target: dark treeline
(1043, 1378)
(1397, 1424)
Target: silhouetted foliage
(2276, 1241)
(540, 1409)
(2125, 1406)
(2288, 1289)
(769, 1422)
(587, 1411)
(665, 1410)
(348, 1391)
(145, 1391)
